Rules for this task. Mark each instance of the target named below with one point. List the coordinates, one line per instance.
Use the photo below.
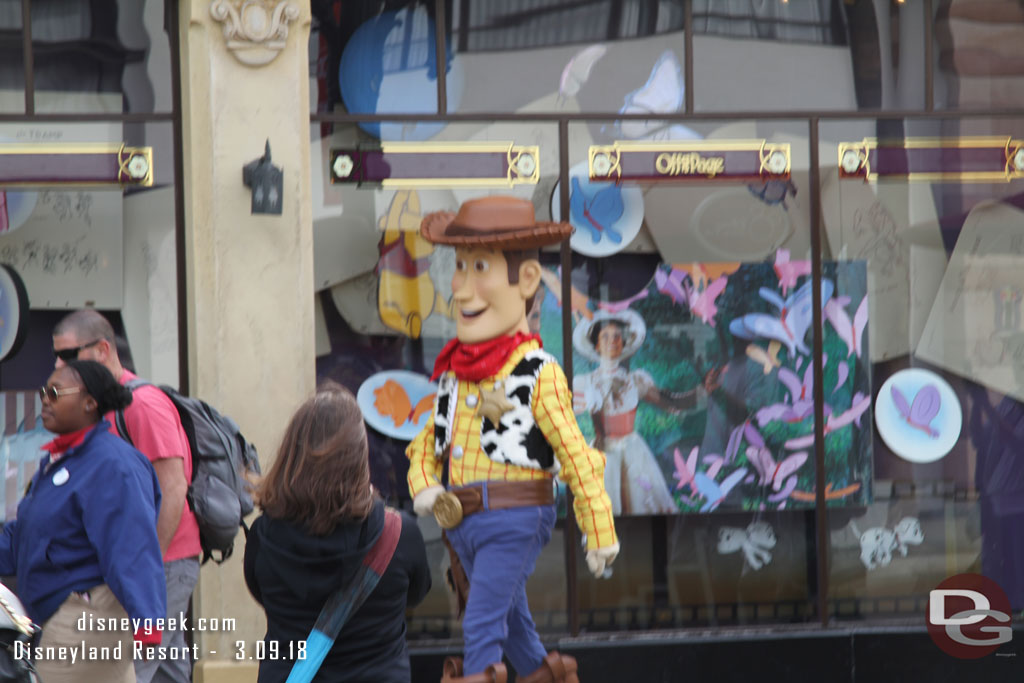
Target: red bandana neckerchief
(65, 442)
(475, 362)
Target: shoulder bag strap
(344, 603)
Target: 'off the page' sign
(691, 161)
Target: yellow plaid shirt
(582, 466)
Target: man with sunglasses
(155, 429)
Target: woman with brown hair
(320, 518)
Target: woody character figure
(503, 427)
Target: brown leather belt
(452, 506)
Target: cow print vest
(516, 439)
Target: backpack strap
(343, 603)
(119, 422)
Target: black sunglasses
(72, 353)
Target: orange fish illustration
(391, 401)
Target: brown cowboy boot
(557, 668)
(452, 673)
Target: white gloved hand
(600, 558)
(423, 503)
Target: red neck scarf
(65, 442)
(475, 362)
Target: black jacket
(292, 573)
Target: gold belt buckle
(448, 510)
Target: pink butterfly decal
(842, 374)
(788, 271)
(671, 284)
(732, 447)
(702, 302)
(715, 464)
(801, 398)
(685, 469)
(619, 306)
(921, 412)
(771, 472)
(782, 495)
(835, 421)
(851, 332)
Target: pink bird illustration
(700, 299)
(685, 469)
(835, 421)
(702, 303)
(842, 374)
(851, 332)
(801, 398)
(788, 271)
(619, 306)
(671, 284)
(771, 473)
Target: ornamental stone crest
(255, 30)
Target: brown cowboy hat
(493, 223)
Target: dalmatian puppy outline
(755, 541)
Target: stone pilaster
(249, 278)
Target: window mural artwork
(698, 386)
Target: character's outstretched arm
(424, 469)
(582, 466)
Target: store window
(731, 332)
(938, 330)
(81, 235)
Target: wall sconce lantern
(267, 184)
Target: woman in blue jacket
(84, 545)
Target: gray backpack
(220, 492)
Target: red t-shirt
(155, 429)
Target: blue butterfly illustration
(597, 213)
(794, 318)
(713, 492)
(773, 192)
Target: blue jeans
(498, 549)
